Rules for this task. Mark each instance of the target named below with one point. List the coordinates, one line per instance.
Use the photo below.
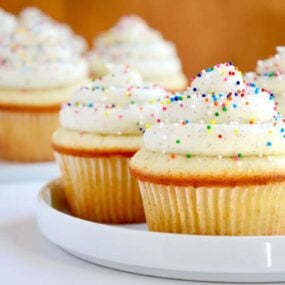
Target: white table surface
(28, 258)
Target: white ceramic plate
(12, 172)
(132, 248)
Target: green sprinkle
(217, 114)
(240, 155)
(224, 109)
(188, 155)
(177, 141)
(209, 127)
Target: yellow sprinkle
(106, 113)
(270, 132)
(252, 121)
(167, 101)
(213, 122)
(236, 131)
(151, 101)
(147, 126)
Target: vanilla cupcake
(101, 128)
(270, 75)
(131, 41)
(216, 165)
(38, 72)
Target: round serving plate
(14, 171)
(132, 248)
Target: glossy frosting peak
(219, 115)
(34, 54)
(131, 41)
(118, 103)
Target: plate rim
(45, 188)
(262, 272)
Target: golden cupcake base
(101, 189)
(25, 136)
(235, 211)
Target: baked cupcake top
(219, 115)
(131, 41)
(270, 73)
(118, 103)
(36, 56)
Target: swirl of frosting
(270, 74)
(219, 115)
(34, 19)
(8, 24)
(118, 103)
(274, 64)
(133, 42)
(36, 57)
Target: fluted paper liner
(26, 136)
(252, 210)
(101, 189)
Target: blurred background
(205, 32)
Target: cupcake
(270, 75)
(131, 41)
(216, 163)
(101, 128)
(38, 72)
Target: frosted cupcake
(131, 41)
(270, 74)
(38, 72)
(101, 128)
(218, 166)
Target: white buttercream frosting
(219, 115)
(34, 55)
(35, 19)
(270, 74)
(118, 103)
(8, 24)
(131, 41)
